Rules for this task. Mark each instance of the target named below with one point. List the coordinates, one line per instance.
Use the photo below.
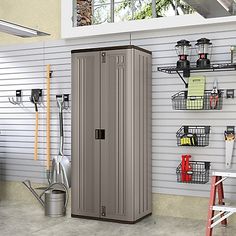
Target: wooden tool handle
(36, 136)
(48, 117)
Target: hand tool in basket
(214, 98)
(186, 169)
(196, 87)
(188, 140)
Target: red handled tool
(214, 98)
(186, 168)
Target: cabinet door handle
(96, 133)
(102, 134)
(99, 133)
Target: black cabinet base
(110, 220)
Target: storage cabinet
(111, 133)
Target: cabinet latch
(99, 133)
(103, 211)
(103, 57)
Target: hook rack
(36, 96)
(50, 73)
(18, 98)
(230, 130)
(64, 101)
(229, 93)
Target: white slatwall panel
(166, 155)
(23, 67)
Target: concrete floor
(20, 219)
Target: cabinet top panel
(111, 48)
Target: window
(89, 12)
(93, 12)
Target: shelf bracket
(182, 78)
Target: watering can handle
(63, 185)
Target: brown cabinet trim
(111, 48)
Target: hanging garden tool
(36, 95)
(61, 164)
(214, 98)
(229, 145)
(49, 75)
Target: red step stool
(223, 211)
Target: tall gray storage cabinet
(111, 133)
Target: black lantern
(183, 50)
(203, 46)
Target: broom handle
(36, 136)
(48, 117)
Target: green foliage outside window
(124, 10)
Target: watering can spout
(27, 184)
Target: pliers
(214, 98)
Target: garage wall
(43, 15)
(23, 67)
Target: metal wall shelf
(194, 136)
(198, 174)
(194, 69)
(180, 101)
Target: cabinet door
(116, 171)
(85, 148)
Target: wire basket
(181, 101)
(193, 136)
(198, 173)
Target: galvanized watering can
(55, 200)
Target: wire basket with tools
(197, 173)
(193, 136)
(181, 101)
